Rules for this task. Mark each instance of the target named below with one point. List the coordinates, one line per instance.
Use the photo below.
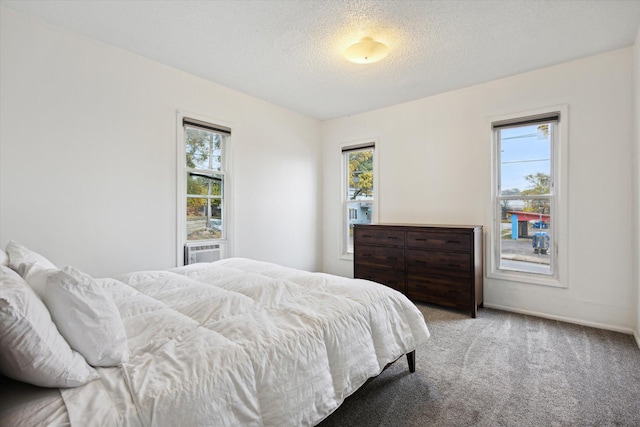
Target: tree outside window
(359, 191)
(205, 184)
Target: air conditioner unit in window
(202, 252)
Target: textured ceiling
(290, 52)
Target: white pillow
(21, 258)
(4, 258)
(31, 348)
(86, 317)
(36, 277)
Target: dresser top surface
(459, 226)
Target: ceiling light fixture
(366, 51)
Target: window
(202, 181)
(358, 189)
(526, 198)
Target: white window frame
(344, 193)
(559, 277)
(181, 186)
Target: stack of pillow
(56, 325)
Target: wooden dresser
(440, 264)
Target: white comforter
(240, 342)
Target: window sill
(528, 278)
(346, 257)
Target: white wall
(88, 157)
(435, 168)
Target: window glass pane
(525, 160)
(358, 212)
(526, 235)
(204, 185)
(204, 218)
(360, 185)
(203, 149)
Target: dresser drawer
(445, 263)
(439, 240)
(439, 290)
(376, 236)
(379, 256)
(392, 278)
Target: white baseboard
(568, 320)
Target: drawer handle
(367, 255)
(366, 235)
(421, 240)
(453, 241)
(392, 237)
(392, 258)
(420, 262)
(453, 265)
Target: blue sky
(524, 151)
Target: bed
(229, 343)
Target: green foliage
(202, 147)
(540, 184)
(505, 207)
(202, 186)
(361, 173)
(202, 150)
(543, 131)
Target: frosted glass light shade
(366, 51)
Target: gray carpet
(504, 369)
